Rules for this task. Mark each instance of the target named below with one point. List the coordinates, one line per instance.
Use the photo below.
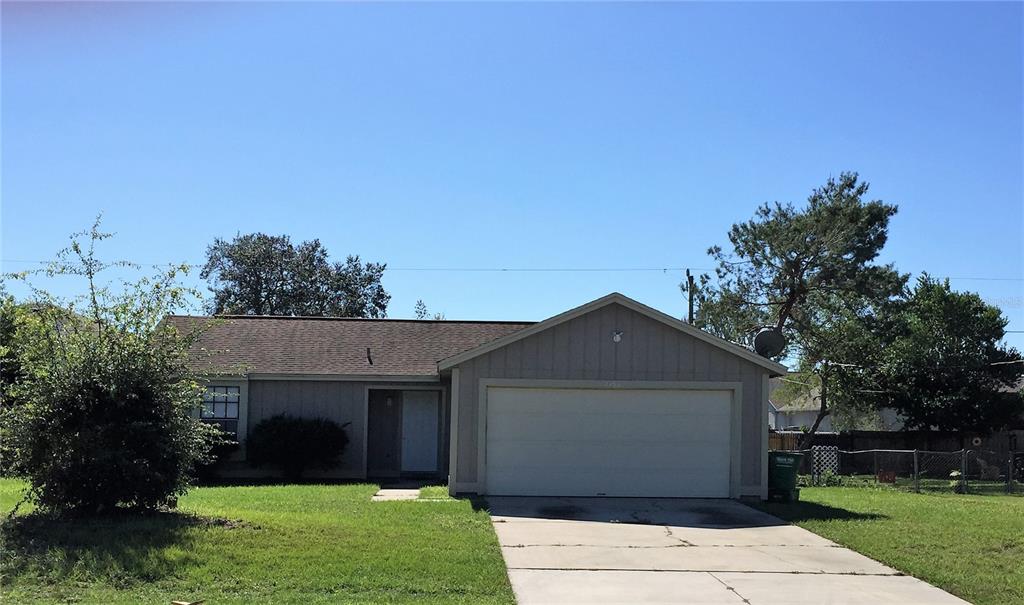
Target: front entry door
(383, 440)
(420, 422)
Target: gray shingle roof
(799, 400)
(315, 345)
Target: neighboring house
(773, 415)
(795, 409)
(798, 410)
(612, 398)
(799, 415)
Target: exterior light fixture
(617, 336)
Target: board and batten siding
(337, 400)
(582, 349)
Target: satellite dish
(769, 342)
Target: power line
(538, 269)
(452, 269)
(545, 269)
(987, 278)
(942, 367)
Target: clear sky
(607, 135)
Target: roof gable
(615, 298)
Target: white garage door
(593, 442)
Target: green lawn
(280, 544)
(971, 546)
(435, 492)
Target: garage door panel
(572, 455)
(606, 427)
(543, 396)
(582, 482)
(653, 415)
(615, 442)
(536, 401)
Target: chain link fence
(963, 471)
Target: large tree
(942, 362)
(10, 369)
(809, 272)
(259, 274)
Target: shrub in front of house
(98, 418)
(294, 445)
(210, 470)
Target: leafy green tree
(100, 415)
(942, 363)
(10, 369)
(11, 313)
(10, 366)
(421, 309)
(423, 313)
(809, 272)
(259, 274)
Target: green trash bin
(782, 471)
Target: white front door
(608, 442)
(419, 431)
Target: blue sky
(607, 135)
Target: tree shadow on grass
(798, 511)
(118, 551)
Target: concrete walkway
(386, 494)
(397, 490)
(629, 550)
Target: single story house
(612, 398)
(773, 414)
(796, 411)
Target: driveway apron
(637, 550)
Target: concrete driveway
(629, 550)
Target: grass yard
(260, 544)
(434, 492)
(971, 546)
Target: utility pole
(689, 291)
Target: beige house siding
(582, 348)
(337, 400)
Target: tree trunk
(807, 438)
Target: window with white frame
(220, 407)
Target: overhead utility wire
(952, 367)
(536, 269)
(444, 269)
(546, 269)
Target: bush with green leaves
(294, 445)
(211, 470)
(100, 416)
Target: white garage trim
(453, 434)
(764, 436)
(735, 437)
